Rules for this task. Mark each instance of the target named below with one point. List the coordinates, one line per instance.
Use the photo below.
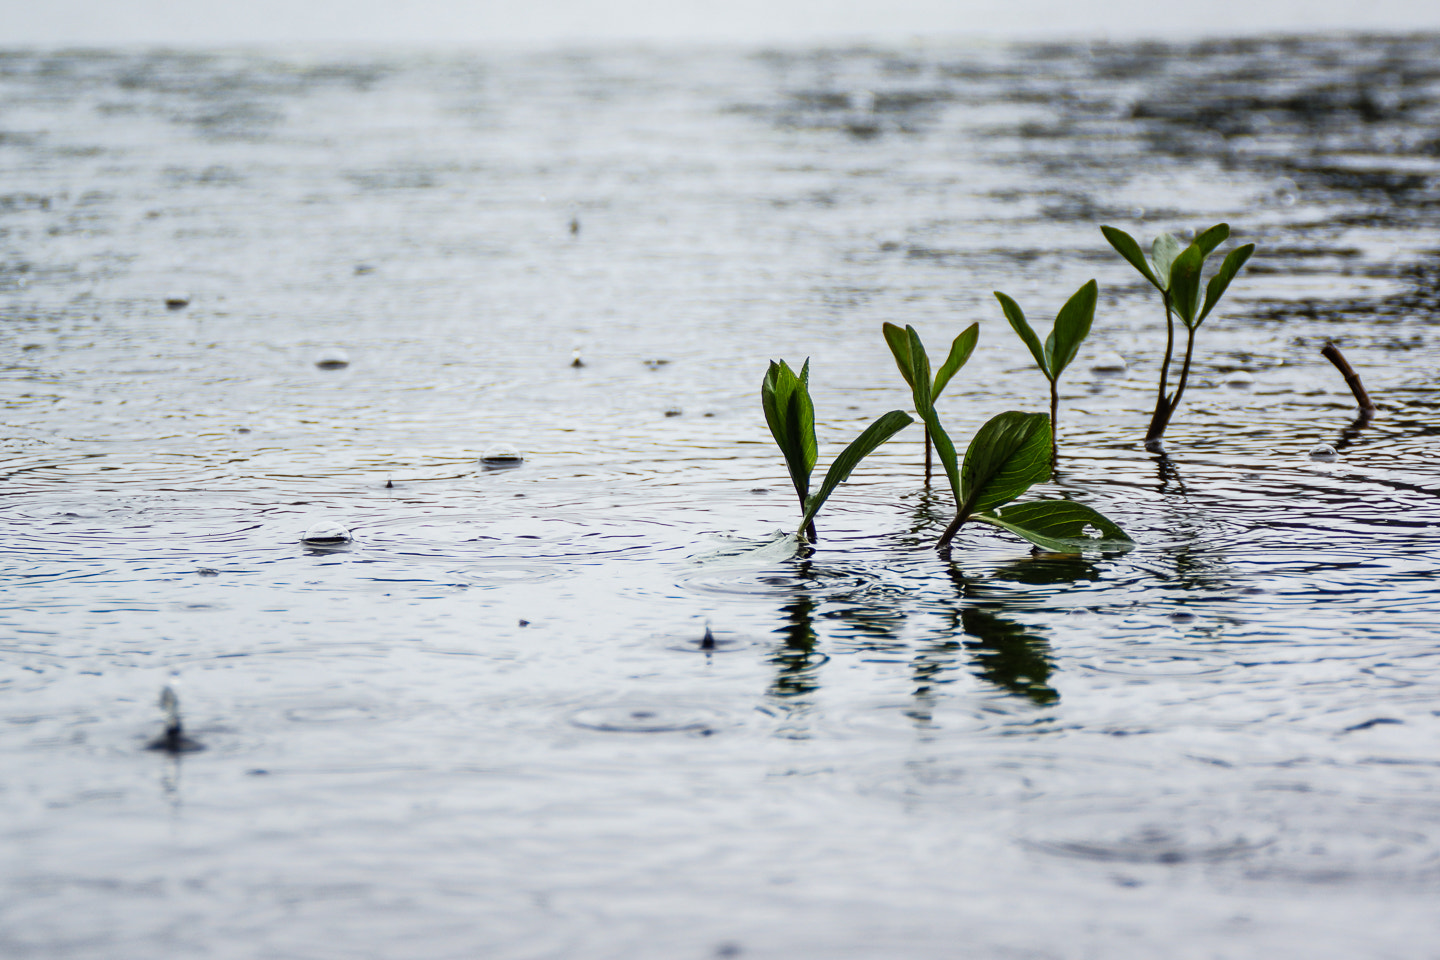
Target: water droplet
(327, 531)
(501, 457)
(332, 359)
(1323, 451)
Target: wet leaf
(1185, 284)
(1219, 283)
(1126, 246)
(791, 417)
(1072, 325)
(960, 349)
(1060, 526)
(862, 446)
(1008, 454)
(899, 343)
(1022, 327)
(1164, 251)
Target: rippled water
(488, 725)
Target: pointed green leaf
(1126, 246)
(1208, 240)
(899, 344)
(1021, 326)
(791, 417)
(1185, 284)
(960, 349)
(862, 446)
(1219, 283)
(1072, 325)
(1060, 526)
(925, 406)
(1008, 454)
(1164, 251)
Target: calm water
(487, 727)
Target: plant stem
(1054, 430)
(1352, 379)
(1184, 371)
(1163, 406)
(951, 530)
(927, 456)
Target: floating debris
(208, 572)
(1109, 363)
(575, 360)
(173, 741)
(708, 641)
(327, 533)
(574, 226)
(177, 301)
(361, 269)
(1325, 452)
(333, 359)
(674, 412)
(656, 363)
(501, 457)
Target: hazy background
(544, 22)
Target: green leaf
(960, 350)
(925, 406)
(1126, 246)
(862, 446)
(1072, 325)
(899, 344)
(1219, 283)
(1164, 251)
(1008, 454)
(1185, 284)
(791, 417)
(1208, 240)
(1021, 326)
(1060, 526)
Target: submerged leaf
(1219, 283)
(1126, 246)
(1060, 526)
(862, 446)
(1008, 454)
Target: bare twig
(1333, 354)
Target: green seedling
(791, 416)
(1072, 325)
(960, 349)
(1007, 456)
(1175, 272)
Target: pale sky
(546, 22)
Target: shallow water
(487, 726)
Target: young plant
(960, 349)
(791, 416)
(1175, 272)
(1072, 325)
(1008, 455)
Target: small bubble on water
(332, 359)
(208, 572)
(1182, 616)
(1325, 452)
(500, 457)
(1108, 363)
(327, 531)
(1239, 380)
